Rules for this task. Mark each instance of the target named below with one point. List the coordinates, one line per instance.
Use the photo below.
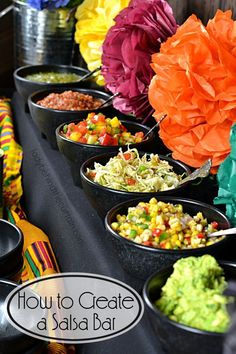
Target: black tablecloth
(77, 234)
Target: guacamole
(193, 294)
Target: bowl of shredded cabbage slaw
(112, 178)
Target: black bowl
(175, 337)
(140, 260)
(11, 340)
(103, 198)
(77, 153)
(11, 246)
(47, 119)
(26, 87)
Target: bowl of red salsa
(50, 108)
(98, 134)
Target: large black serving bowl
(11, 246)
(11, 340)
(77, 153)
(177, 338)
(26, 87)
(47, 119)
(103, 198)
(141, 261)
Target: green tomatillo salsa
(53, 77)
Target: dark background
(204, 9)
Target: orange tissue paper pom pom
(195, 85)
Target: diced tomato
(156, 232)
(83, 140)
(82, 128)
(215, 224)
(127, 155)
(201, 235)
(147, 243)
(146, 209)
(115, 141)
(163, 244)
(106, 139)
(98, 118)
(130, 181)
(92, 174)
(188, 239)
(83, 123)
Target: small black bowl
(11, 246)
(26, 87)
(13, 341)
(47, 119)
(175, 337)
(140, 260)
(77, 153)
(103, 198)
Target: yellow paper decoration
(94, 18)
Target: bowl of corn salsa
(112, 178)
(149, 234)
(31, 78)
(70, 104)
(97, 134)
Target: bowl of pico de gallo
(97, 134)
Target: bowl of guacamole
(187, 305)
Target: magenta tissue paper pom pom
(138, 32)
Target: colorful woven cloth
(39, 259)
(12, 158)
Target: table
(77, 234)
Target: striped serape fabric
(39, 259)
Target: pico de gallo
(96, 129)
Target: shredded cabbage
(129, 172)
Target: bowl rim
(132, 194)
(165, 318)
(189, 251)
(19, 334)
(123, 121)
(17, 74)
(19, 242)
(61, 89)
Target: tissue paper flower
(94, 18)
(226, 178)
(195, 85)
(138, 32)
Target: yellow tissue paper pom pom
(94, 18)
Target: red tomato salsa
(98, 130)
(70, 101)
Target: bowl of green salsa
(32, 78)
